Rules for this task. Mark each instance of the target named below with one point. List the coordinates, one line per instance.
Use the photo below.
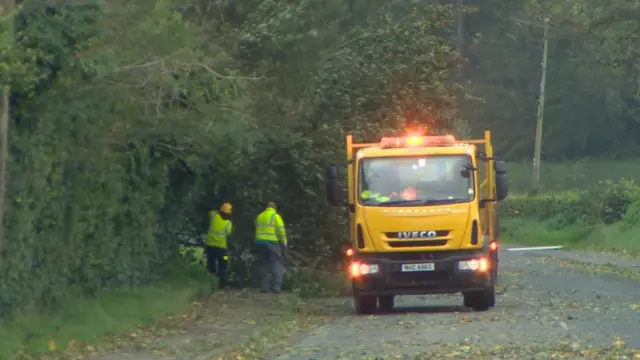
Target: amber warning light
(417, 141)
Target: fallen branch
(191, 243)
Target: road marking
(536, 248)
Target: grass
(88, 321)
(563, 177)
(533, 232)
(581, 174)
(614, 238)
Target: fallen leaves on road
(628, 273)
(522, 352)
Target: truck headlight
(479, 265)
(358, 269)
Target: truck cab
(422, 218)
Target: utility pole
(459, 8)
(5, 119)
(460, 26)
(543, 82)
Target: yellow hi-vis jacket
(219, 229)
(368, 194)
(270, 227)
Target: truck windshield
(416, 181)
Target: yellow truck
(423, 218)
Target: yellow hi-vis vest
(368, 194)
(219, 229)
(270, 227)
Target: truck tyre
(496, 224)
(365, 304)
(386, 303)
(494, 271)
(480, 300)
(495, 275)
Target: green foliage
(601, 212)
(619, 237)
(89, 164)
(584, 174)
(632, 217)
(616, 199)
(526, 231)
(607, 205)
(193, 256)
(138, 118)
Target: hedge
(611, 203)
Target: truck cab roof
(377, 151)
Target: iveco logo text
(417, 234)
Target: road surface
(547, 308)
(545, 305)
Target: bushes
(602, 219)
(608, 204)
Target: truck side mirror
(333, 190)
(502, 187)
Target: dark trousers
(271, 262)
(217, 263)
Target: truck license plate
(418, 267)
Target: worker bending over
(271, 242)
(216, 250)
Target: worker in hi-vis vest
(271, 242)
(216, 250)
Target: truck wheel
(480, 300)
(365, 304)
(386, 303)
(495, 277)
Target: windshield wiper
(417, 202)
(442, 201)
(399, 202)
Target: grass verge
(586, 174)
(88, 321)
(616, 238)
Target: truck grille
(415, 234)
(407, 244)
